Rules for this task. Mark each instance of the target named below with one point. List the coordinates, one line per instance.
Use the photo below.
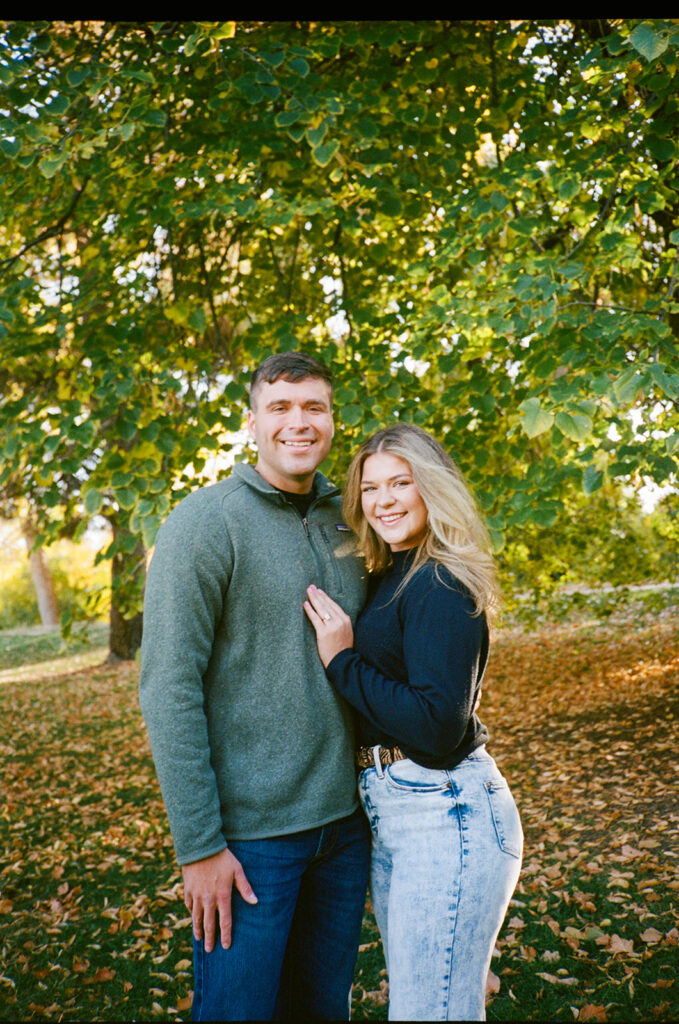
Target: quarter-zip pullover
(248, 737)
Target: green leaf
(192, 43)
(285, 118)
(166, 443)
(592, 480)
(323, 154)
(572, 269)
(627, 385)
(10, 147)
(569, 188)
(574, 425)
(76, 76)
(59, 104)
(226, 30)
(297, 133)
(11, 447)
(178, 313)
(153, 118)
(50, 165)
(126, 497)
(497, 540)
(299, 66)
(535, 419)
(672, 443)
(197, 320)
(668, 384)
(646, 41)
(126, 131)
(543, 516)
(149, 529)
(352, 415)
(315, 136)
(94, 499)
(390, 202)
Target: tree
(48, 606)
(475, 223)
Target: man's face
(293, 427)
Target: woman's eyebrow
(397, 476)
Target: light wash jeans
(446, 856)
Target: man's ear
(251, 424)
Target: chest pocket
(339, 554)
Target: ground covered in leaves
(583, 719)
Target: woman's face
(391, 501)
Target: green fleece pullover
(248, 737)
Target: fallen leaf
(651, 935)
(592, 1012)
(553, 979)
(618, 945)
(100, 975)
(379, 996)
(492, 984)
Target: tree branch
(279, 275)
(337, 245)
(620, 309)
(50, 232)
(606, 209)
(293, 265)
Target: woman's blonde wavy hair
(456, 537)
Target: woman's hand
(334, 632)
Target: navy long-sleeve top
(417, 664)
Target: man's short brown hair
(292, 366)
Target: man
(253, 748)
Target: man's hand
(208, 887)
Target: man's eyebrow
(288, 401)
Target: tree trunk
(128, 573)
(48, 605)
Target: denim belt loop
(378, 763)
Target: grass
(35, 644)
(582, 717)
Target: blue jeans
(293, 953)
(446, 857)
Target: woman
(447, 838)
